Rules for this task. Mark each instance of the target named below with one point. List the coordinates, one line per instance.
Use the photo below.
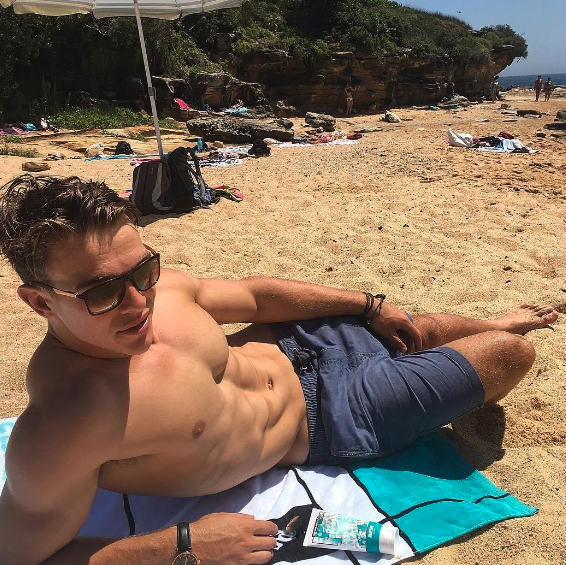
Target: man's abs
(191, 431)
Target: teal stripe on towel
(433, 495)
(5, 431)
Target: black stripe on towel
(317, 505)
(129, 515)
(492, 496)
(427, 503)
(387, 518)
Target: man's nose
(133, 298)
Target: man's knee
(519, 353)
(512, 357)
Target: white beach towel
(426, 490)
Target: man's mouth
(137, 326)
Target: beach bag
(189, 186)
(152, 190)
(259, 148)
(459, 139)
(391, 117)
(123, 148)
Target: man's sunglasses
(109, 294)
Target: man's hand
(233, 539)
(394, 325)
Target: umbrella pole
(150, 89)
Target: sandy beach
(436, 228)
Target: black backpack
(152, 189)
(259, 148)
(123, 148)
(170, 184)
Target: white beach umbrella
(162, 9)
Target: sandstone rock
(556, 126)
(327, 123)
(115, 133)
(529, 113)
(285, 122)
(34, 167)
(285, 110)
(368, 130)
(455, 102)
(236, 130)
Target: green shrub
(110, 117)
(17, 150)
(11, 139)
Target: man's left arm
(266, 299)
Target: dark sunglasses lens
(147, 274)
(108, 295)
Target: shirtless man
(538, 87)
(136, 388)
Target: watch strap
(183, 538)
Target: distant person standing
(494, 89)
(538, 87)
(548, 88)
(450, 89)
(349, 92)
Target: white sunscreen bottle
(335, 531)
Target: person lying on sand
(137, 389)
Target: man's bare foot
(526, 318)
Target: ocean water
(529, 80)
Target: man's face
(79, 263)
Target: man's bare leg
(494, 347)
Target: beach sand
(436, 228)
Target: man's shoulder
(171, 279)
(68, 390)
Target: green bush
(111, 117)
(17, 150)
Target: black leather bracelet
(369, 305)
(381, 298)
(183, 537)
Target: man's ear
(36, 299)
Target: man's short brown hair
(36, 212)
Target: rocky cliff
(275, 81)
(392, 81)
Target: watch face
(186, 558)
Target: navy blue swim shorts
(364, 399)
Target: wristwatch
(185, 554)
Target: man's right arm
(217, 539)
(52, 473)
(52, 478)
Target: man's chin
(135, 345)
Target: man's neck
(72, 343)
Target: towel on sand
(426, 490)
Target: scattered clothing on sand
(181, 104)
(509, 146)
(229, 192)
(503, 143)
(308, 144)
(111, 157)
